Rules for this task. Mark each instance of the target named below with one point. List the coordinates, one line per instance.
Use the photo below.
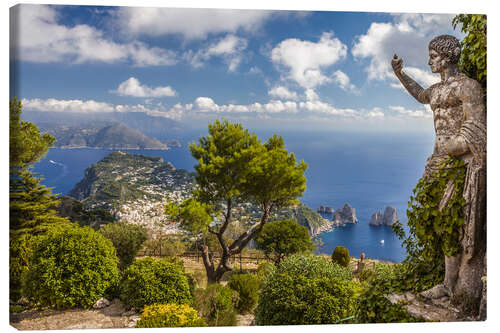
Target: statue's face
(437, 61)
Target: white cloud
(343, 80)
(282, 92)
(375, 113)
(408, 36)
(230, 48)
(402, 111)
(190, 23)
(304, 60)
(322, 107)
(75, 105)
(311, 95)
(40, 38)
(91, 106)
(132, 87)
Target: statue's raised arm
(420, 94)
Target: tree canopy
(280, 239)
(235, 167)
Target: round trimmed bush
(215, 305)
(148, 281)
(169, 315)
(247, 286)
(71, 266)
(341, 256)
(306, 290)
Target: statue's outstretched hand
(397, 64)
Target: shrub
(127, 239)
(280, 239)
(247, 286)
(148, 281)
(373, 306)
(215, 305)
(169, 315)
(306, 290)
(341, 256)
(313, 266)
(71, 266)
(264, 269)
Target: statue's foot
(435, 292)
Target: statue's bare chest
(447, 108)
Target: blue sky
(295, 69)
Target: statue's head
(443, 50)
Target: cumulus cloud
(408, 36)
(282, 92)
(343, 80)
(132, 87)
(304, 61)
(190, 23)
(230, 48)
(40, 38)
(326, 108)
(91, 106)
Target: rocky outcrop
(345, 215)
(325, 210)
(389, 218)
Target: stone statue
(459, 111)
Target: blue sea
(367, 170)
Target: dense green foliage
(126, 238)
(264, 268)
(307, 289)
(247, 286)
(70, 266)
(280, 239)
(341, 256)
(20, 256)
(215, 304)
(473, 56)
(372, 305)
(169, 315)
(148, 281)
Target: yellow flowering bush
(169, 315)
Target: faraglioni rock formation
(389, 217)
(345, 215)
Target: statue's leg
(446, 288)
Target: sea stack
(345, 215)
(390, 216)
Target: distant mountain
(117, 136)
(158, 127)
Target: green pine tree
(31, 204)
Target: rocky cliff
(389, 217)
(345, 215)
